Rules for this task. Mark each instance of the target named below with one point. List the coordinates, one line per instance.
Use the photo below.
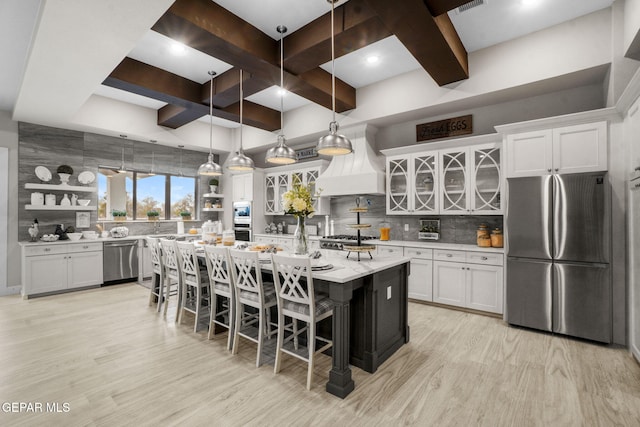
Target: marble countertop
(104, 239)
(427, 244)
(346, 270)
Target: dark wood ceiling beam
(438, 7)
(254, 114)
(208, 27)
(182, 95)
(226, 88)
(174, 116)
(356, 26)
(432, 41)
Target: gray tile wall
(453, 228)
(52, 147)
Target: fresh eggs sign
(455, 126)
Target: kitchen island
(370, 314)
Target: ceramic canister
(37, 199)
(50, 200)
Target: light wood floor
(116, 362)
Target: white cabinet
(280, 179)
(58, 267)
(449, 283)
(412, 185)
(242, 187)
(470, 279)
(569, 149)
(421, 277)
(464, 180)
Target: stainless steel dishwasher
(120, 261)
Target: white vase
(64, 178)
(213, 189)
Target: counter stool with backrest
(195, 283)
(172, 272)
(251, 291)
(158, 280)
(220, 284)
(298, 300)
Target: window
(150, 194)
(182, 196)
(140, 192)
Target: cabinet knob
(463, 268)
(484, 258)
(449, 255)
(419, 253)
(47, 249)
(557, 169)
(548, 170)
(85, 247)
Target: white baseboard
(11, 290)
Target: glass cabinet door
(486, 180)
(270, 194)
(282, 182)
(398, 185)
(425, 194)
(454, 182)
(310, 177)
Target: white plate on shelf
(43, 173)
(86, 177)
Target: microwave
(242, 213)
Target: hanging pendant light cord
(282, 79)
(241, 99)
(333, 66)
(211, 73)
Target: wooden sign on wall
(455, 126)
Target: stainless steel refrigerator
(558, 243)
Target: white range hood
(358, 173)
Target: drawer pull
(449, 255)
(484, 258)
(47, 249)
(418, 253)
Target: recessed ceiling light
(373, 59)
(282, 92)
(178, 48)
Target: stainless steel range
(338, 241)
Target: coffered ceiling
(226, 35)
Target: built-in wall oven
(242, 220)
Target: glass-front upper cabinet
(398, 185)
(282, 182)
(454, 181)
(412, 184)
(270, 194)
(487, 179)
(425, 183)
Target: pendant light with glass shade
(210, 168)
(281, 154)
(240, 162)
(333, 144)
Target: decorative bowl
(84, 202)
(91, 235)
(74, 236)
(49, 237)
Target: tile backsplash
(453, 228)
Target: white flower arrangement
(298, 201)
